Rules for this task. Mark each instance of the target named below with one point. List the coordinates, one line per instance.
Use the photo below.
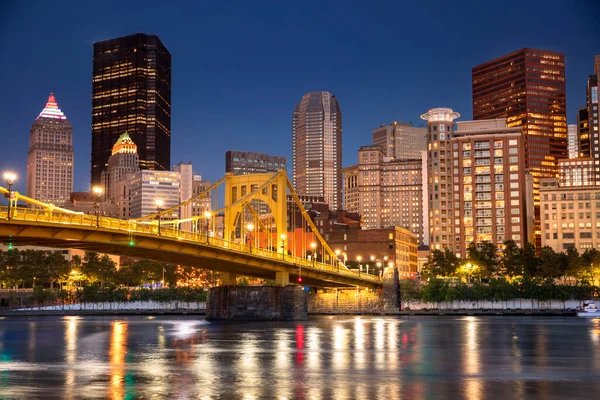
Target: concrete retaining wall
(124, 306)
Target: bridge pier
(243, 303)
(229, 279)
(282, 278)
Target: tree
(530, 260)
(441, 264)
(511, 261)
(551, 263)
(485, 258)
(574, 263)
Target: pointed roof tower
(124, 144)
(51, 110)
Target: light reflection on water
(328, 357)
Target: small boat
(589, 309)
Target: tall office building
(386, 192)
(148, 186)
(491, 189)
(587, 120)
(401, 140)
(131, 92)
(527, 88)
(124, 159)
(317, 148)
(50, 156)
(440, 129)
(573, 141)
(247, 162)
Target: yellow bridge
(257, 212)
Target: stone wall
(228, 303)
(345, 301)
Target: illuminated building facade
(527, 88)
(50, 156)
(131, 92)
(570, 216)
(573, 141)
(401, 140)
(492, 202)
(317, 148)
(386, 192)
(440, 130)
(124, 159)
(148, 186)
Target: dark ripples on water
(324, 358)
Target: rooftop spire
(51, 110)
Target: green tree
(441, 264)
(485, 257)
(551, 263)
(511, 261)
(574, 263)
(530, 260)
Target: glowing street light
(207, 215)
(97, 190)
(249, 228)
(159, 205)
(313, 246)
(10, 179)
(283, 237)
(359, 258)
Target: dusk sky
(238, 68)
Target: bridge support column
(229, 279)
(391, 290)
(282, 278)
(243, 303)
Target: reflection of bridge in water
(269, 254)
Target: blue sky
(239, 67)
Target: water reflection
(329, 357)
(117, 351)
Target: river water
(323, 358)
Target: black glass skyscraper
(131, 93)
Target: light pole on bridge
(207, 215)
(313, 246)
(10, 179)
(98, 193)
(159, 204)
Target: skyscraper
(573, 144)
(527, 88)
(588, 126)
(131, 92)
(401, 140)
(247, 162)
(50, 156)
(124, 159)
(317, 148)
(440, 128)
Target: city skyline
(198, 109)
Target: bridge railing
(135, 227)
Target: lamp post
(249, 228)
(337, 256)
(358, 258)
(372, 261)
(313, 246)
(207, 215)
(283, 237)
(10, 179)
(97, 190)
(159, 204)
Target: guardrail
(167, 232)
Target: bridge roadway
(129, 238)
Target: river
(344, 357)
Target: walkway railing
(135, 227)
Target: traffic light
(10, 246)
(131, 243)
(299, 279)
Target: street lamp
(98, 192)
(358, 258)
(159, 204)
(249, 228)
(207, 215)
(337, 256)
(313, 245)
(283, 237)
(10, 179)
